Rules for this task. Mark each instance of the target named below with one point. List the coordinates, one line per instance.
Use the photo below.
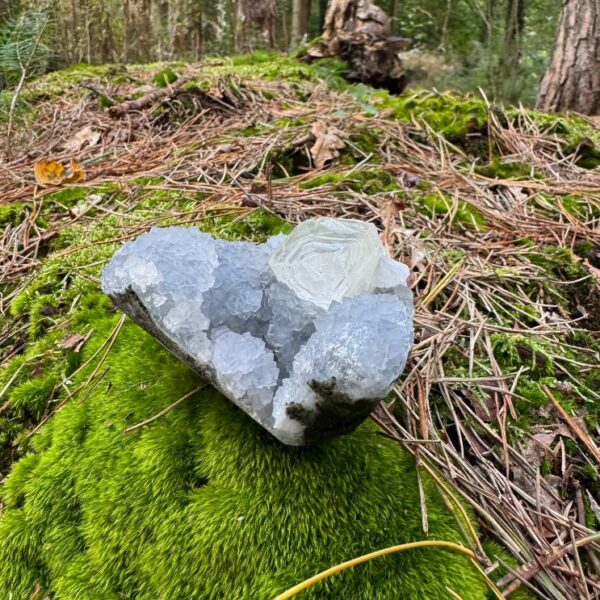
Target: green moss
(364, 141)
(499, 169)
(148, 180)
(513, 351)
(205, 504)
(332, 71)
(260, 57)
(368, 181)
(69, 196)
(263, 65)
(453, 115)
(464, 213)
(286, 122)
(12, 214)
(581, 207)
(256, 225)
(579, 137)
(251, 131)
(165, 77)
(567, 281)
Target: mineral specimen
(305, 333)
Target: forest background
(499, 46)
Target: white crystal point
(325, 260)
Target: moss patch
(463, 214)
(368, 181)
(579, 137)
(205, 504)
(460, 119)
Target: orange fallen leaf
(77, 173)
(51, 172)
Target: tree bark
(255, 17)
(513, 37)
(572, 81)
(300, 16)
(322, 13)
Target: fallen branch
(147, 100)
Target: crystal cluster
(306, 333)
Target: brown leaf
(86, 136)
(545, 439)
(327, 145)
(51, 172)
(72, 340)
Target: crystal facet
(327, 259)
(306, 333)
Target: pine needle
(451, 546)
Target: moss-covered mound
(204, 504)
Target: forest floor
(496, 211)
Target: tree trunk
(487, 28)
(255, 17)
(513, 38)
(572, 81)
(393, 11)
(322, 13)
(300, 16)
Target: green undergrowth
(101, 81)
(459, 118)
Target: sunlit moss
(367, 181)
(465, 214)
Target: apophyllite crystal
(326, 260)
(306, 333)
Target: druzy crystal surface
(305, 333)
